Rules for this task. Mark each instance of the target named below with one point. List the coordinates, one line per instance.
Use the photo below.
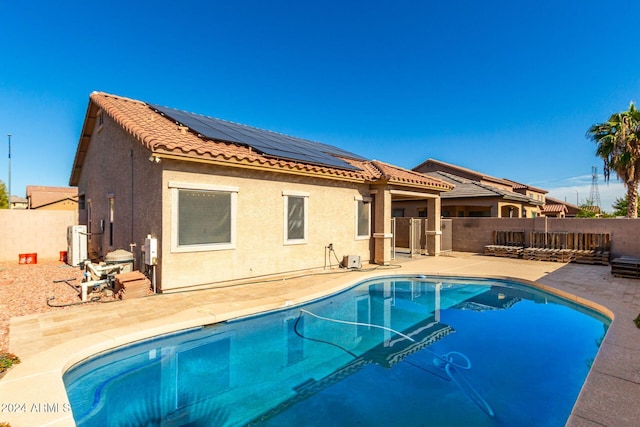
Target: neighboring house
(480, 195)
(19, 202)
(474, 199)
(52, 198)
(555, 205)
(228, 201)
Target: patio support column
(382, 225)
(434, 230)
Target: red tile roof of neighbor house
(554, 208)
(39, 195)
(166, 138)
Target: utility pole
(9, 183)
(594, 194)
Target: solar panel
(268, 143)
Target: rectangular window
(296, 217)
(363, 217)
(203, 217)
(397, 213)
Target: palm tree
(618, 142)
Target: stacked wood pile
(628, 267)
(591, 248)
(547, 254)
(131, 285)
(548, 247)
(584, 248)
(506, 244)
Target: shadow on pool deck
(50, 343)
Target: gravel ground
(24, 289)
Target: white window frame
(175, 188)
(285, 216)
(367, 204)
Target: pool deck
(32, 393)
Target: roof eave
(83, 144)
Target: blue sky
(507, 88)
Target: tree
(588, 210)
(618, 142)
(4, 197)
(620, 206)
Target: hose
(295, 329)
(93, 299)
(445, 361)
(347, 322)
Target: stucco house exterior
(18, 202)
(223, 209)
(480, 195)
(559, 209)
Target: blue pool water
(401, 351)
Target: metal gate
(415, 236)
(446, 244)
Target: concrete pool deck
(32, 393)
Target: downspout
(131, 242)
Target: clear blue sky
(507, 88)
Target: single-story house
(227, 201)
(559, 209)
(479, 195)
(18, 202)
(52, 198)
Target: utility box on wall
(76, 244)
(150, 251)
(351, 261)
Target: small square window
(296, 206)
(363, 218)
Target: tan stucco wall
(63, 205)
(118, 165)
(32, 231)
(260, 248)
(472, 234)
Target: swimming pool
(400, 350)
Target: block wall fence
(33, 231)
(472, 234)
(44, 232)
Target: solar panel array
(265, 142)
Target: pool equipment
(445, 362)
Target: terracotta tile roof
(520, 186)
(465, 188)
(42, 195)
(551, 208)
(570, 206)
(165, 138)
(433, 165)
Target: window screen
(295, 218)
(204, 217)
(363, 218)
